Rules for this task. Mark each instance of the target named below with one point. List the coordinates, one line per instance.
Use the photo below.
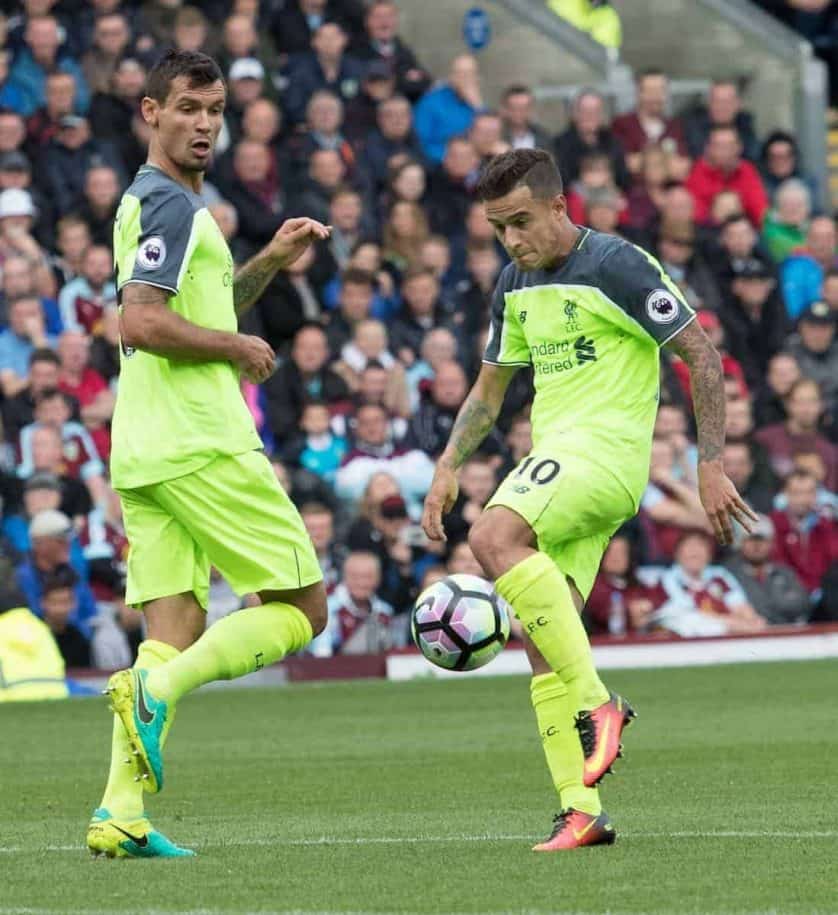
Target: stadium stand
(332, 114)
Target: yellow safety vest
(31, 666)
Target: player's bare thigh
(177, 620)
(537, 662)
(500, 539)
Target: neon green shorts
(573, 505)
(231, 514)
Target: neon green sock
(541, 598)
(236, 645)
(554, 711)
(123, 796)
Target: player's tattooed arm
(707, 386)
(718, 495)
(251, 279)
(474, 422)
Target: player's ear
(559, 206)
(149, 108)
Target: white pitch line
(421, 840)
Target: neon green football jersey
(591, 329)
(173, 417)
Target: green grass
(435, 792)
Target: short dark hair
(357, 277)
(44, 355)
(63, 576)
(649, 71)
(50, 394)
(199, 69)
(515, 89)
(532, 168)
(800, 473)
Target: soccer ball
(460, 622)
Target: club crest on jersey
(662, 306)
(152, 253)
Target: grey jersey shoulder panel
(167, 210)
(624, 274)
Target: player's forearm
(163, 332)
(252, 278)
(474, 422)
(708, 389)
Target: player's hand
(439, 501)
(722, 502)
(294, 236)
(255, 358)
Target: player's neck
(568, 239)
(192, 181)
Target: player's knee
(486, 545)
(497, 539)
(316, 610)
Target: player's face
(188, 124)
(528, 228)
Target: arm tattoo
(251, 279)
(707, 385)
(473, 424)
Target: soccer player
(195, 488)
(589, 312)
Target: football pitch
(425, 797)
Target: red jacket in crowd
(705, 182)
(809, 552)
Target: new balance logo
(585, 350)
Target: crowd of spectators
(380, 331)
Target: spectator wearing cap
(754, 317)
(786, 222)
(111, 39)
(804, 270)
(39, 56)
(723, 109)
(246, 82)
(815, 349)
(360, 621)
(326, 66)
(722, 168)
(50, 533)
(589, 134)
(115, 113)
(650, 125)
(800, 434)
(517, 113)
(18, 411)
(447, 110)
(377, 86)
(86, 385)
(303, 377)
(17, 218)
(69, 156)
(393, 136)
(380, 43)
(806, 541)
(372, 450)
(26, 333)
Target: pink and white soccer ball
(460, 622)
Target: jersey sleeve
(506, 344)
(637, 284)
(158, 241)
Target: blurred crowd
(380, 331)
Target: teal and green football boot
(129, 838)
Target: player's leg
(243, 520)
(550, 519)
